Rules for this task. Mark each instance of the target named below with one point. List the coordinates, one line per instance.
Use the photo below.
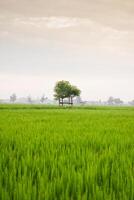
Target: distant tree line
(114, 101)
(65, 93)
(13, 98)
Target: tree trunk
(71, 100)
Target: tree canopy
(63, 89)
(13, 98)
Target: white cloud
(54, 22)
(62, 22)
(76, 31)
(48, 22)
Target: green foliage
(74, 91)
(66, 154)
(64, 89)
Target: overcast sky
(88, 42)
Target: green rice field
(80, 153)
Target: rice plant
(47, 153)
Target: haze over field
(89, 43)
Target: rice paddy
(52, 153)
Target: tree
(13, 98)
(63, 89)
(110, 101)
(29, 99)
(74, 92)
(118, 101)
(114, 101)
(131, 103)
(43, 98)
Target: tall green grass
(66, 154)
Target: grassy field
(47, 153)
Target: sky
(87, 42)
